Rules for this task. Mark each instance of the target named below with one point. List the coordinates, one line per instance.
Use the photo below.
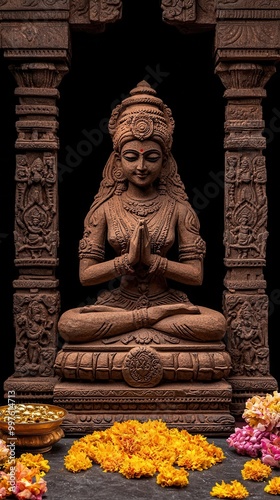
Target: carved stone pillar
(247, 48)
(38, 55)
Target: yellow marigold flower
(138, 449)
(137, 467)
(273, 486)
(77, 461)
(255, 470)
(170, 476)
(109, 457)
(37, 462)
(111, 462)
(195, 460)
(234, 490)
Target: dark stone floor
(96, 484)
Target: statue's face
(141, 162)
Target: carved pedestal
(197, 407)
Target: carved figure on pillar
(140, 208)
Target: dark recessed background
(104, 68)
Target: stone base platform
(199, 407)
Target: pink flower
(270, 450)
(247, 440)
(3, 492)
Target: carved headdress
(141, 116)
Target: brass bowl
(32, 427)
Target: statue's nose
(141, 164)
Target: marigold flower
(195, 459)
(234, 490)
(138, 449)
(273, 486)
(36, 461)
(77, 461)
(170, 476)
(135, 467)
(255, 470)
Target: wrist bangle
(122, 265)
(158, 266)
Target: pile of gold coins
(30, 413)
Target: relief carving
(79, 11)
(105, 11)
(178, 10)
(248, 35)
(35, 234)
(248, 4)
(246, 213)
(35, 320)
(247, 344)
(206, 12)
(35, 35)
(34, 4)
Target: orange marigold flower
(170, 476)
(138, 449)
(234, 489)
(273, 486)
(255, 470)
(35, 461)
(137, 467)
(77, 461)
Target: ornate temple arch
(36, 42)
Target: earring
(118, 175)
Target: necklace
(139, 207)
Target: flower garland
(261, 436)
(22, 478)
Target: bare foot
(157, 313)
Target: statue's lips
(141, 176)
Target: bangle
(122, 265)
(158, 266)
(140, 318)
